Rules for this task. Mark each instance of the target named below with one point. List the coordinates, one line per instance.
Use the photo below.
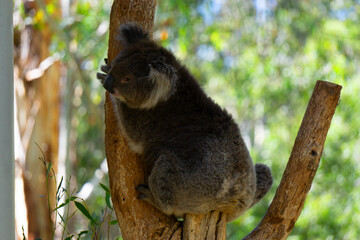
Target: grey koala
(195, 158)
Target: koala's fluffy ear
(132, 33)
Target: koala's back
(189, 118)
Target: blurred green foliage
(260, 60)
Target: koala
(195, 158)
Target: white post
(7, 219)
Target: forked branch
(302, 166)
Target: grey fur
(195, 157)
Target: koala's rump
(209, 175)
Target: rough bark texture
(210, 226)
(302, 166)
(137, 219)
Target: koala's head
(142, 75)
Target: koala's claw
(105, 68)
(101, 77)
(106, 61)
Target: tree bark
(302, 166)
(138, 219)
(210, 226)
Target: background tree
(37, 76)
(42, 36)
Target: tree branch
(210, 226)
(302, 166)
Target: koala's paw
(144, 193)
(105, 69)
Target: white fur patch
(161, 90)
(136, 147)
(118, 95)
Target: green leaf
(60, 206)
(48, 169)
(107, 200)
(104, 187)
(57, 191)
(113, 222)
(62, 219)
(70, 199)
(84, 211)
(69, 237)
(82, 233)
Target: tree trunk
(38, 106)
(302, 166)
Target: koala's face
(129, 79)
(140, 75)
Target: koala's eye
(127, 78)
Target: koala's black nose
(108, 83)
